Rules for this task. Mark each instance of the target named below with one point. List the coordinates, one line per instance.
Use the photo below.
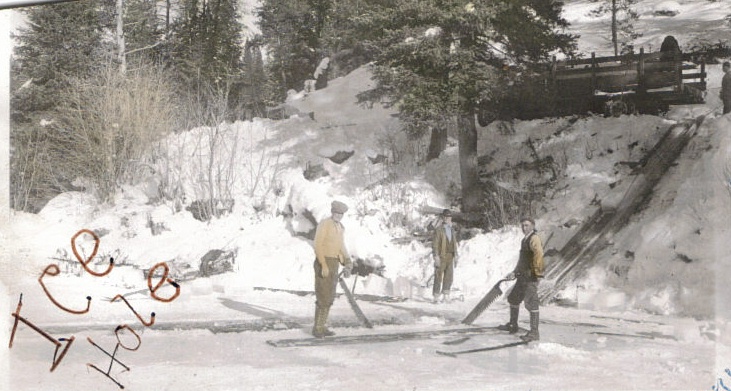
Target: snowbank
(661, 262)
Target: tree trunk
(437, 144)
(120, 38)
(167, 17)
(615, 11)
(471, 193)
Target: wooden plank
(627, 58)
(598, 73)
(619, 69)
(648, 57)
(377, 338)
(667, 65)
(699, 75)
(660, 79)
(596, 60)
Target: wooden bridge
(642, 81)
(646, 83)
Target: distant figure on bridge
(529, 271)
(726, 87)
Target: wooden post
(679, 70)
(551, 87)
(703, 72)
(641, 72)
(554, 66)
(593, 71)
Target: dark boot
(325, 330)
(319, 330)
(317, 327)
(512, 326)
(533, 334)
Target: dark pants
(325, 287)
(444, 275)
(726, 106)
(525, 290)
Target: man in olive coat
(528, 272)
(330, 253)
(444, 250)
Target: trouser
(325, 286)
(526, 291)
(726, 106)
(444, 274)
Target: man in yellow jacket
(529, 272)
(330, 252)
(444, 250)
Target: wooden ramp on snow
(595, 234)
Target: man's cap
(338, 207)
(528, 219)
(447, 213)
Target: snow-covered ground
(651, 314)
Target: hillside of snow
(671, 240)
(275, 206)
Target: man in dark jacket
(726, 87)
(528, 272)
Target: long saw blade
(494, 293)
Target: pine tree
(143, 30)
(345, 38)
(292, 32)
(206, 49)
(254, 90)
(436, 60)
(58, 41)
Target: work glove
(510, 276)
(455, 262)
(437, 261)
(347, 271)
(325, 271)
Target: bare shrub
(32, 179)
(216, 161)
(503, 206)
(261, 169)
(213, 172)
(389, 178)
(107, 124)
